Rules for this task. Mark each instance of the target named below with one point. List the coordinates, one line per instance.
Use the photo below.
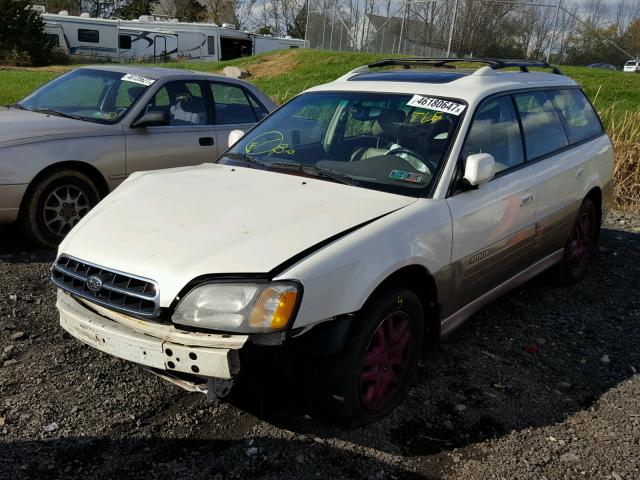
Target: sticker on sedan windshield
(405, 176)
(130, 77)
(437, 104)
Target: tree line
(571, 32)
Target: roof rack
(493, 63)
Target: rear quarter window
(580, 118)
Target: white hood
(175, 225)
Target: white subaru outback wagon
(346, 233)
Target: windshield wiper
(315, 171)
(16, 105)
(245, 158)
(335, 175)
(310, 170)
(48, 111)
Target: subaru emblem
(94, 283)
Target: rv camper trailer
(155, 39)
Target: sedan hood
(175, 225)
(22, 125)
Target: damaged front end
(203, 362)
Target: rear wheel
(581, 245)
(372, 373)
(55, 204)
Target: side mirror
(234, 136)
(154, 118)
(479, 169)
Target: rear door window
(232, 105)
(580, 118)
(543, 130)
(495, 130)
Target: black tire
(337, 385)
(581, 245)
(44, 219)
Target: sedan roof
(153, 72)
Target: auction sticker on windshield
(437, 104)
(130, 77)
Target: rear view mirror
(234, 136)
(154, 118)
(479, 169)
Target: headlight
(239, 307)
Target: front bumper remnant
(152, 344)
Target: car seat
(387, 128)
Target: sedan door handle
(206, 141)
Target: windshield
(90, 95)
(631, 63)
(390, 142)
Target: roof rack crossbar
(492, 63)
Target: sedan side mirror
(154, 118)
(234, 136)
(479, 169)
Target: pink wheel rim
(580, 242)
(385, 361)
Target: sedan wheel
(54, 205)
(64, 207)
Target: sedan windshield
(90, 95)
(389, 142)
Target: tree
(22, 33)
(74, 7)
(631, 38)
(221, 11)
(136, 8)
(187, 10)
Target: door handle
(579, 172)
(206, 141)
(526, 199)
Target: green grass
(15, 84)
(608, 89)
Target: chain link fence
(564, 34)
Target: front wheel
(55, 204)
(373, 372)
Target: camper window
(125, 42)
(211, 45)
(88, 36)
(55, 40)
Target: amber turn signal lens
(274, 308)
(285, 309)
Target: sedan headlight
(239, 307)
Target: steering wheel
(413, 158)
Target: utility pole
(451, 29)
(553, 32)
(306, 26)
(406, 4)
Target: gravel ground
(541, 384)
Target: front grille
(112, 289)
